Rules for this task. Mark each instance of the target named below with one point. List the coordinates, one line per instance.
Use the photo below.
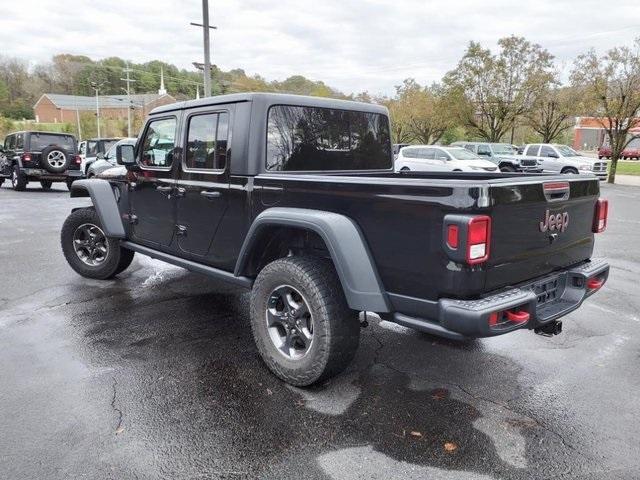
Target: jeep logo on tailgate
(559, 222)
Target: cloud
(351, 45)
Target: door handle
(181, 192)
(160, 188)
(207, 194)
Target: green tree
(496, 89)
(611, 85)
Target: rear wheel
(405, 169)
(88, 250)
(301, 323)
(18, 179)
(569, 170)
(46, 184)
(507, 168)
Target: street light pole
(96, 87)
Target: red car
(632, 152)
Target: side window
(207, 141)
(159, 143)
(484, 150)
(8, 142)
(470, 147)
(19, 141)
(532, 150)
(546, 151)
(428, 153)
(411, 153)
(82, 150)
(439, 154)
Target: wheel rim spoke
(90, 244)
(289, 322)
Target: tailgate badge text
(558, 222)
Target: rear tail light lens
(78, 159)
(600, 215)
(478, 239)
(25, 157)
(453, 236)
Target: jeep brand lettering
(559, 222)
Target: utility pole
(96, 86)
(128, 90)
(207, 46)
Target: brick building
(57, 108)
(589, 133)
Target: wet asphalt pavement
(154, 375)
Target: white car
(555, 158)
(431, 158)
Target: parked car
(108, 160)
(45, 157)
(554, 158)
(320, 227)
(631, 151)
(397, 147)
(431, 158)
(92, 149)
(502, 154)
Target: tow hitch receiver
(550, 329)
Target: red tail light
(25, 157)
(78, 159)
(452, 236)
(600, 215)
(478, 239)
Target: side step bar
(245, 282)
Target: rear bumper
(544, 299)
(40, 173)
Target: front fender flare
(344, 240)
(105, 203)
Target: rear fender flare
(344, 240)
(104, 202)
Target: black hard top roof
(38, 131)
(273, 99)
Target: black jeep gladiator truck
(296, 199)
(44, 157)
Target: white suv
(430, 158)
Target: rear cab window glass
(159, 143)
(207, 141)
(315, 138)
(40, 141)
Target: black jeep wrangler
(296, 199)
(39, 156)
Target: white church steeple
(162, 90)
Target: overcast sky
(351, 45)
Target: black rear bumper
(542, 300)
(42, 174)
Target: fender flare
(105, 203)
(344, 240)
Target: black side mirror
(125, 155)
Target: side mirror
(125, 155)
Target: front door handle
(160, 188)
(207, 194)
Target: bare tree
(611, 84)
(551, 113)
(497, 89)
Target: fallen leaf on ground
(416, 434)
(119, 430)
(450, 447)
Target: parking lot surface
(155, 375)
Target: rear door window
(546, 151)
(484, 150)
(428, 153)
(317, 138)
(532, 150)
(207, 141)
(19, 141)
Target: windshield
(503, 149)
(566, 151)
(462, 154)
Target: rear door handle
(160, 188)
(207, 194)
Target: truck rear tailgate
(539, 227)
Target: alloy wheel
(56, 158)
(289, 322)
(90, 244)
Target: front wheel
(301, 323)
(570, 171)
(88, 250)
(507, 169)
